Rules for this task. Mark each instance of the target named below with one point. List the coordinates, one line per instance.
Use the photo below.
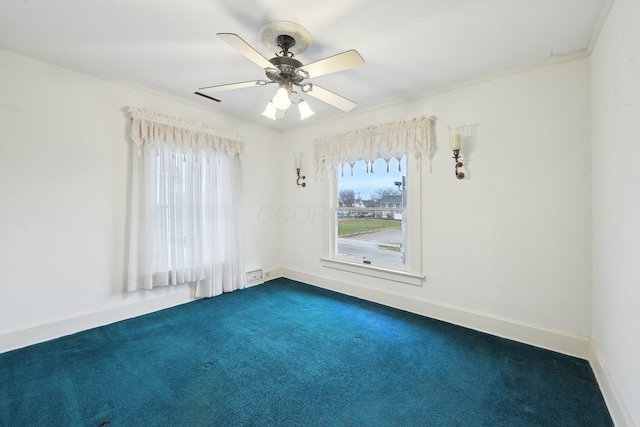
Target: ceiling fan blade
(331, 98)
(245, 48)
(332, 64)
(231, 86)
(207, 91)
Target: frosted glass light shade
(305, 110)
(270, 111)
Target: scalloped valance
(151, 128)
(388, 140)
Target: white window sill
(368, 270)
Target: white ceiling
(409, 47)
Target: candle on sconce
(456, 131)
(456, 142)
(297, 156)
(298, 159)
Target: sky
(367, 183)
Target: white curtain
(186, 213)
(386, 141)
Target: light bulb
(281, 100)
(305, 110)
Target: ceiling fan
(287, 39)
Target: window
(370, 218)
(376, 228)
(185, 199)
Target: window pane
(370, 212)
(366, 237)
(356, 187)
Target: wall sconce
(458, 132)
(298, 157)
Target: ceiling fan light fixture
(305, 109)
(281, 99)
(270, 111)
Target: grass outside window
(349, 227)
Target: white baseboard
(558, 341)
(274, 273)
(44, 331)
(40, 332)
(615, 403)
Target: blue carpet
(289, 354)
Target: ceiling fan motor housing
(286, 70)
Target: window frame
(409, 273)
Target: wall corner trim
(617, 408)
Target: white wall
(64, 190)
(508, 247)
(615, 86)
